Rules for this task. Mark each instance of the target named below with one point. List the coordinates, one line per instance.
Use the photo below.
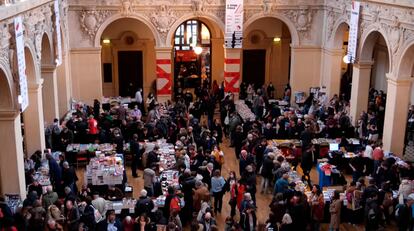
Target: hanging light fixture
(346, 59)
(198, 50)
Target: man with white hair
(149, 179)
(144, 204)
(208, 221)
(49, 198)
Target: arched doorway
(12, 178)
(400, 110)
(127, 56)
(370, 72)
(49, 87)
(267, 54)
(192, 56)
(339, 75)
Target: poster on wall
(234, 24)
(353, 32)
(21, 63)
(58, 35)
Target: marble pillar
(360, 89)
(165, 80)
(11, 159)
(232, 70)
(396, 112)
(34, 130)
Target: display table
(167, 178)
(105, 170)
(125, 204)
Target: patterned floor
(409, 151)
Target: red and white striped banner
(164, 81)
(232, 74)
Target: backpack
(398, 209)
(372, 216)
(176, 204)
(97, 214)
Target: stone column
(305, 69)
(12, 177)
(331, 77)
(232, 70)
(396, 112)
(50, 93)
(34, 131)
(164, 76)
(64, 86)
(361, 79)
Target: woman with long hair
(317, 205)
(232, 187)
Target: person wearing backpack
(372, 213)
(403, 214)
(90, 214)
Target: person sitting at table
(114, 193)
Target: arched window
(192, 51)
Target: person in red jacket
(92, 129)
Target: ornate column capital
(365, 64)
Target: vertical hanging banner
(353, 32)
(58, 35)
(21, 63)
(234, 24)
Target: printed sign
(234, 24)
(21, 63)
(353, 32)
(58, 35)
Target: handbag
(97, 214)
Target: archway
(127, 55)
(192, 56)
(266, 54)
(338, 74)
(369, 83)
(32, 118)
(49, 88)
(400, 97)
(189, 35)
(6, 102)
(12, 178)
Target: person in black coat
(307, 163)
(110, 220)
(144, 205)
(55, 173)
(248, 219)
(136, 155)
(88, 215)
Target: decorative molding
(162, 19)
(302, 20)
(126, 7)
(91, 20)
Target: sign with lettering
(353, 32)
(21, 63)
(234, 24)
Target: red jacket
(93, 126)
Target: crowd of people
(200, 160)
